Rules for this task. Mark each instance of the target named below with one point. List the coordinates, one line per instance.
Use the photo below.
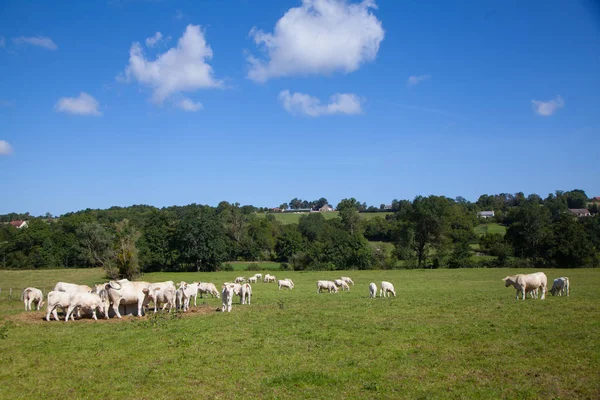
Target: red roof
(597, 198)
(16, 223)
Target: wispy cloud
(547, 108)
(82, 105)
(183, 68)
(39, 41)
(416, 79)
(304, 104)
(5, 148)
(318, 38)
(152, 41)
(189, 105)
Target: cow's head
(507, 281)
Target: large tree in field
(348, 209)
(125, 251)
(530, 231)
(201, 240)
(428, 220)
(95, 244)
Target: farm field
(482, 229)
(447, 334)
(294, 218)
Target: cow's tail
(23, 295)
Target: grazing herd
(536, 283)
(116, 295)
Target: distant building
(388, 207)
(596, 200)
(326, 208)
(19, 224)
(485, 214)
(275, 209)
(580, 212)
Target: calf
(240, 279)
(245, 293)
(372, 290)
(208, 288)
(525, 283)
(285, 283)
(560, 286)
(269, 278)
(161, 293)
(32, 295)
(252, 279)
(186, 292)
(347, 280)
(326, 285)
(226, 297)
(56, 300)
(342, 284)
(386, 289)
(258, 276)
(86, 301)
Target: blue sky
(261, 102)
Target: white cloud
(40, 41)
(5, 148)
(82, 105)
(547, 108)
(319, 37)
(152, 41)
(189, 105)
(416, 79)
(2, 41)
(304, 104)
(180, 69)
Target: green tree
(348, 211)
(530, 231)
(125, 252)
(288, 243)
(95, 244)
(200, 239)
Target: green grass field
(482, 229)
(294, 218)
(448, 334)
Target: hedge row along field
(448, 334)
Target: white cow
(86, 301)
(560, 286)
(385, 289)
(58, 300)
(240, 279)
(252, 279)
(245, 293)
(208, 288)
(347, 280)
(372, 290)
(125, 292)
(226, 297)
(326, 285)
(258, 276)
(525, 283)
(186, 291)
(342, 284)
(72, 288)
(285, 283)
(161, 293)
(32, 295)
(269, 278)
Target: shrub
(226, 267)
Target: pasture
(294, 218)
(447, 334)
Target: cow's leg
(69, 311)
(94, 314)
(55, 313)
(50, 309)
(115, 307)
(543, 296)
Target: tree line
(427, 232)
